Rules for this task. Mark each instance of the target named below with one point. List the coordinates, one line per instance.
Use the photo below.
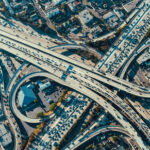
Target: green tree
(115, 138)
(35, 101)
(62, 6)
(23, 144)
(39, 114)
(60, 99)
(1, 4)
(52, 106)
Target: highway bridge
(14, 77)
(86, 79)
(12, 98)
(59, 64)
(80, 142)
(100, 100)
(70, 70)
(13, 125)
(127, 42)
(61, 68)
(140, 49)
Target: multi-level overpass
(135, 118)
(114, 112)
(126, 65)
(84, 139)
(13, 98)
(44, 58)
(70, 70)
(127, 42)
(13, 125)
(87, 79)
(113, 97)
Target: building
(144, 57)
(7, 5)
(44, 85)
(85, 17)
(72, 7)
(34, 17)
(129, 6)
(111, 19)
(26, 95)
(51, 13)
(108, 15)
(95, 32)
(5, 136)
(113, 24)
(118, 13)
(74, 30)
(55, 2)
(1, 113)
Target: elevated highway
(76, 47)
(126, 109)
(93, 134)
(132, 57)
(114, 112)
(14, 78)
(60, 64)
(127, 42)
(87, 79)
(14, 127)
(12, 98)
(70, 70)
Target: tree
(35, 101)
(52, 106)
(32, 137)
(1, 4)
(115, 138)
(39, 115)
(34, 134)
(60, 99)
(23, 144)
(62, 6)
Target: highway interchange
(56, 61)
(10, 117)
(86, 79)
(139, 50)
(77, 144)
(128, 41)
